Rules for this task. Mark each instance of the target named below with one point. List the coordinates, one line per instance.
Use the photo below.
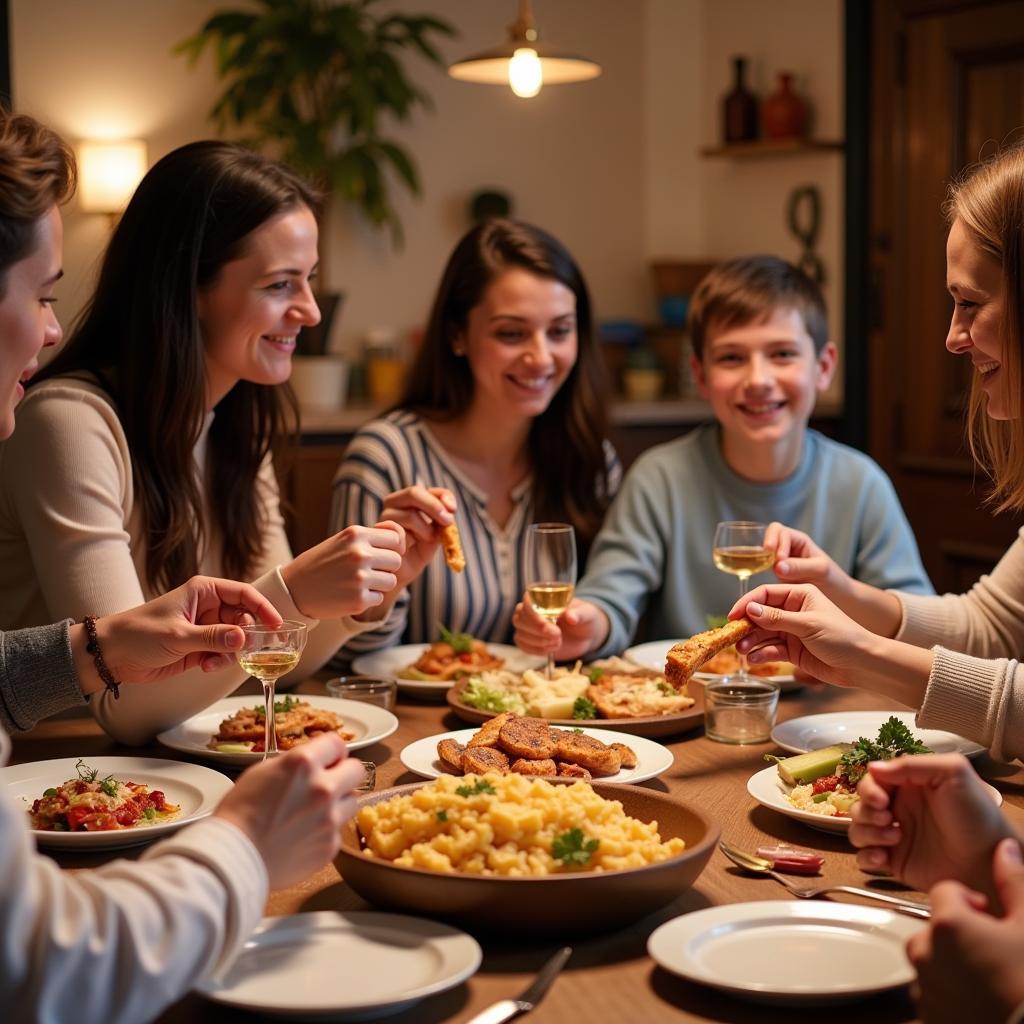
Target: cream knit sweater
(71, 545)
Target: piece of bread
(452, 544)
(689, 655)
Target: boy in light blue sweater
(761, 354)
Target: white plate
(651, 758)
(768, 789)
(197, 789)
(653, 654)
(391, 660)
(340, 965)
(816, 731)
(368, 722)
(789, 952)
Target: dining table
(610, 977)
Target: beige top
(71, 544)
(979, 693)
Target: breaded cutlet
(449, 753)
(480, 760)
(597, 757)
(487, 734)
(573, 771)
(527, 737)
(627, 754)
(545, 766)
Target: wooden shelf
(772, 147)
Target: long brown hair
(566, 442)
(989, 202)
(37, 172)
(140, 335)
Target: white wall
(609, 166)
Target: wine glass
(550, 570)
(739, 549)
(268, 652)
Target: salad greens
(584, 708)
(894, 739)
(478, 695)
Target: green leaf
(582, 709)
(442, 815)
(570, 848)
(594, 674)
(401, 162)
(461, 643)
(480, 786)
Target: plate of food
(516, 744)
(814, 731)
(289, 967)
(430, 670)
(726, 663)
(819, 786)
(609, 694)
(791, 953)
(231, 731)
(524, 854)
(109, 802)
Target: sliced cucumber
(804, 768)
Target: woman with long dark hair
(157, 423)
(502, 423)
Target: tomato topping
(826, 784)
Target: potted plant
(310, 82)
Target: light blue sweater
(655, 545)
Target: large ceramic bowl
(565, 903)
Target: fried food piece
(452, 544)
(544, 766)
(449, 753)
(688, 655)
(527, 737)
(573, 771)
(597, 757)
(480, 760)
(487, 735)
(626, 754)
(636, 695)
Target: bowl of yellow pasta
(515, 852)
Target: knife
(506, 1009)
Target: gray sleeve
(37, 675)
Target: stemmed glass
(268, 652)
(739, 549)
(550, 571)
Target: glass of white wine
(739, 549)
(550, 570)
(268, 653)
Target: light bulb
(525, 75)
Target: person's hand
(422, 512)
(193, 625)
(292, 807)
(347, 573)
(581, 628)
(970, 965)
(926, 818)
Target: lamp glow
(108, 173)
(525, 74)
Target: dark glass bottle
(739, 108)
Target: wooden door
(948, 88)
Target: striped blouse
(400, 451)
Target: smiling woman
(157, 421)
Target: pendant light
(523, 62)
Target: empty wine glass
(550, 571)
(268, 652)
(739, 549)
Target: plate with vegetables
(110, 802)
(606, 695)
(819, 786)
(815, 731)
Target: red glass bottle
(739, 108)
(784, 113)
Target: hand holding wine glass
(739, 549)
(550, 571)
(268, 652)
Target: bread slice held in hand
(452, 544)
(687, 656)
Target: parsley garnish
(666, 688)
(570, 847)
(460, 643)
(480, 786)
(594, 674)
(894, 739)
(577, 729)
(281, 707)
(87, 774)
(49, 792)
(149, 813)
(442, 815)
(583, 708)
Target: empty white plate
(794, 953)
(343, 965)
(812, 732)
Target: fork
(760, 866)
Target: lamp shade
(492, 66)
(108, 173)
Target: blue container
(673, 309)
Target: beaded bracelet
(93, 647)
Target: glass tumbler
(740, 710)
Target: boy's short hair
(747, 290)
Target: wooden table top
(610, 977)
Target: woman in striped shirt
(502, 424)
